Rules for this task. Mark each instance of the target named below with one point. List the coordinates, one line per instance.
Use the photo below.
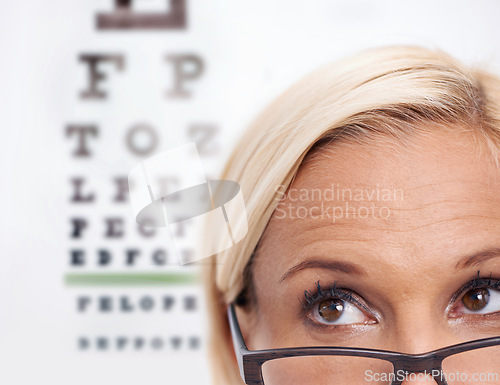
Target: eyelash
(313, 297)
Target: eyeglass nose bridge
(425, 363)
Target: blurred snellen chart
(112, 113)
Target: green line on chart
(129, 279)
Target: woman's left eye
(479, 301)
(335, 311)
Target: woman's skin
(405, 260)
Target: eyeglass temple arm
(238, 342)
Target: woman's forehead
(436, 197)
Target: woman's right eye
(335, 306)
(336, 311)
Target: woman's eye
(331, 309)
(480, 301)
(335, 311)
(476, 299)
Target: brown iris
(331, 309)
(476, 299)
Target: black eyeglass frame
(250, 361)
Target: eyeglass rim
(250, 361)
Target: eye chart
(130, 297)
(129, 79)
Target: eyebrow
(477, 258)
(349, 268)
(339, 266)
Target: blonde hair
(386, 90)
